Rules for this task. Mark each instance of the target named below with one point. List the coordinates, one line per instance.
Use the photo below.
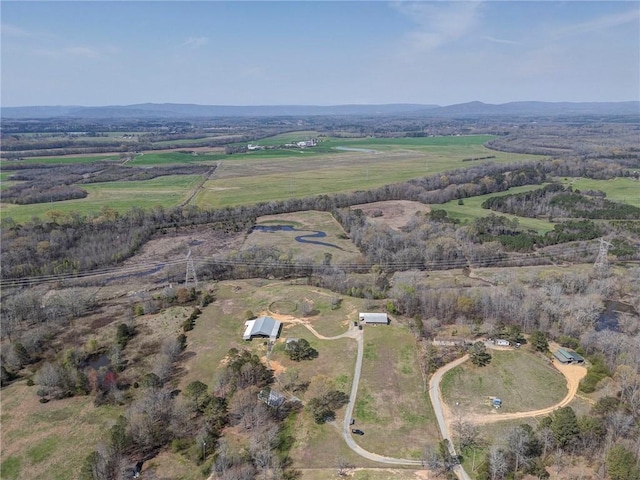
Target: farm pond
(306, 238)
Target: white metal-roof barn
(374, 318)
(262, 327)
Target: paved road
(436, 401)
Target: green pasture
(48, 441)
(391, 407)
(172, 158)
(259, 179)
(472, 210)
(523, 380)
(58, 160)
(623, 190)
(167, 191)
(267, 175)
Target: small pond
(300, 238)
(608, 319)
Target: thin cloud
(500, 40)
(439, 23)
(195, 42)
(601, 23)
(13, 31)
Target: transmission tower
(602, 261)
(190, 279)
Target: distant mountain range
(184, 111)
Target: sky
(318, 52)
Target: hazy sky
(318, 53)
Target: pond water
(608, 320)
(300, 238)
(98, 361)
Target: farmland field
(624, 190)
(279, 174)
(164, 191)
(471, 209)
(255, 177)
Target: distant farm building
(501, 342)
(568, 356)
(374, 318)
(262, 327)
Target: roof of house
(374, 317)
(265, 326)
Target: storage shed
(262, 327)
(374, 318)
(568, 356)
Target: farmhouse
(568, 356)
(374, 318)
(262, 327)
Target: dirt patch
(393, 213)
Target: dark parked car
(353, 420)
(355, 324)
(357, 432)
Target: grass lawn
(166, 191)
(48, 441)
(524, 381)
(391, 408)
(624, 190)
(472, 209)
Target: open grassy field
(472, 209)
(48, 441)
(624, 190)
(164, 191)
(173, 158)
(265, 175)
(391, 407)
(523, 380)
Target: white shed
(374, 318)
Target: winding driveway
(572, 373)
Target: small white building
(501, 342)
(374, 318)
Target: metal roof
(265, 326)
(374, 317)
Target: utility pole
(602, 261)
(190, 277)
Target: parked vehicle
(356, 431)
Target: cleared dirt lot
(393, 213)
